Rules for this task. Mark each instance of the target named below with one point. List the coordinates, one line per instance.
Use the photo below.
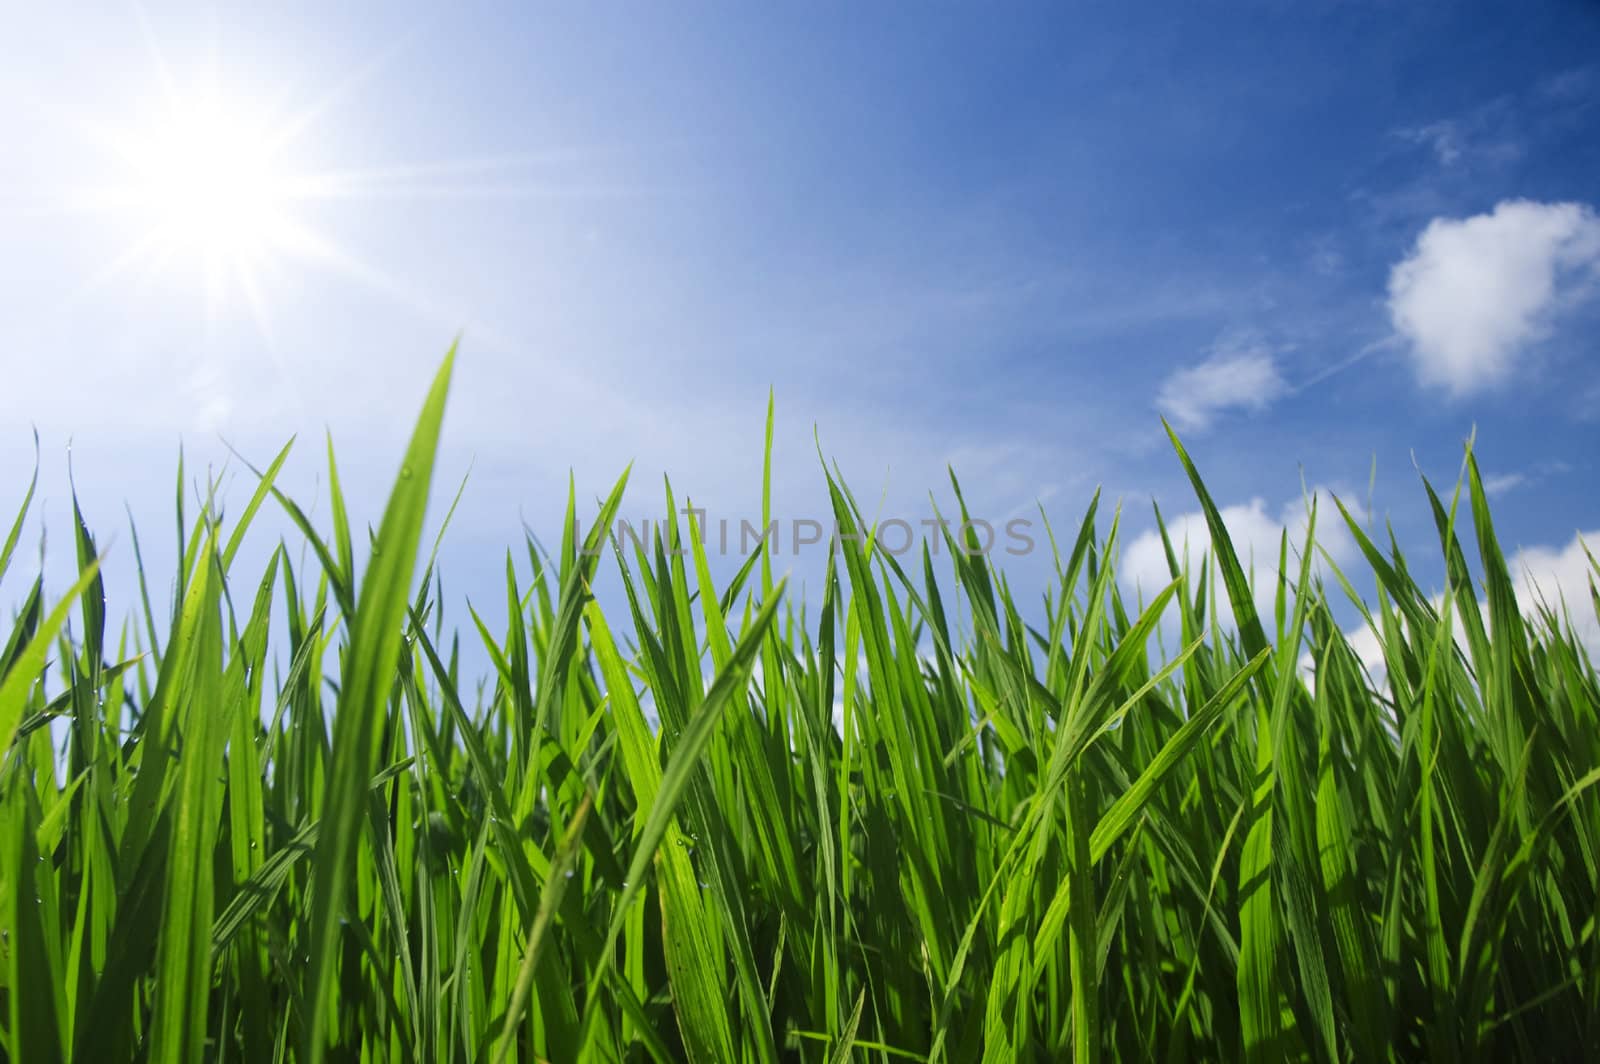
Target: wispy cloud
(1484, 136)
(1235, 377)
(1500, 483)
(1513, 480)
(1443, 136)
(1575, 86)
(1474, 293)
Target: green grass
(1025, 843)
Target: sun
(210, 186)
(204, 186)
(212, 183)
(219, 186)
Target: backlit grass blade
(1240, 595)
(1128, 807)
(376, 630)
(33, 1023)
(246, 516)
(549, 901)
(685, 759)
(10, 544)
(936, 813)
(24, 673)
(183, 958)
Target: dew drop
(405, 472)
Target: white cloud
(1559, 578)
(1232, 378)
(1364, 644)
(1553, 577)
(1255, 532)
(1475, 292)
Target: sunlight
(210, 184)
(206, 179)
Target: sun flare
(201, 180)
(208, 187)
(211, 183)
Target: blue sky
(1317, 236)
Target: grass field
(644, 838)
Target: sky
(1327, 241)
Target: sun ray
(335, 191)
(297, 125)
(144, 248)
(152, 47)
(256, 301)
(209, 179)
(478, 164)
